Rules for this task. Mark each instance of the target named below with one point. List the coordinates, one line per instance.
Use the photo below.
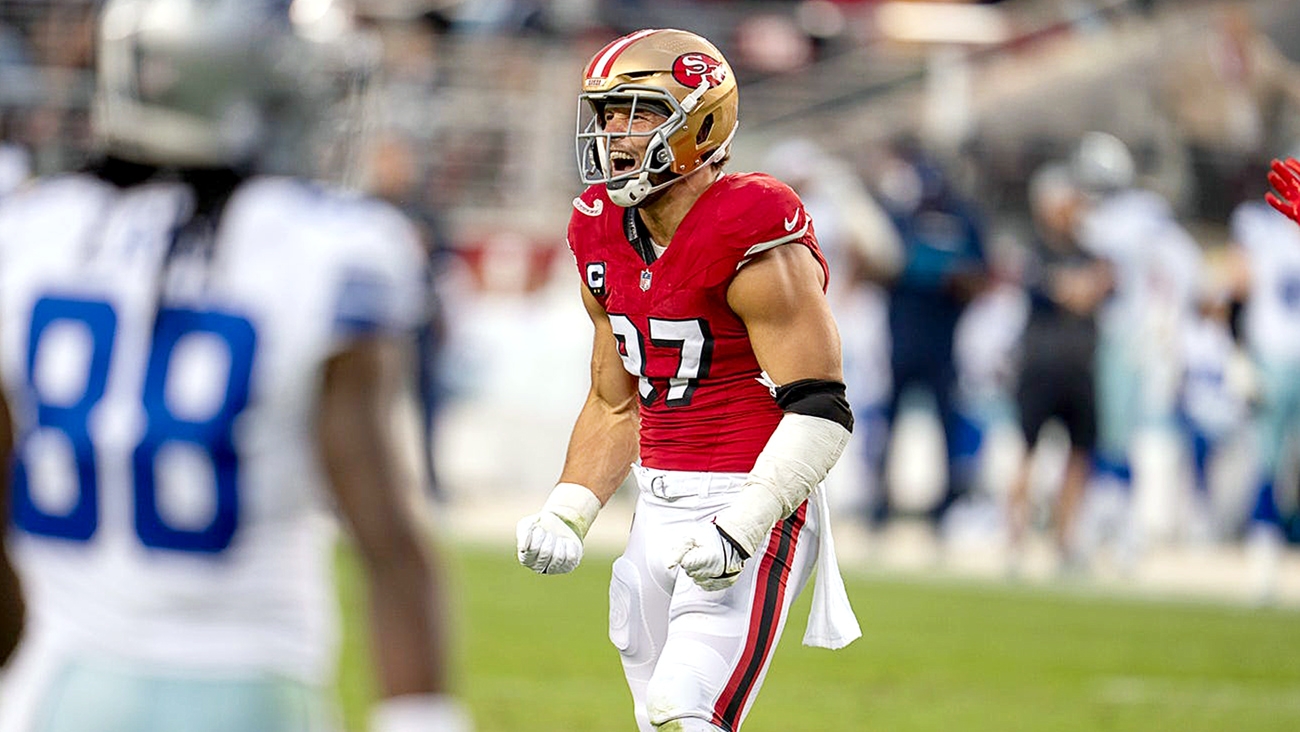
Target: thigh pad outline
(627, 627)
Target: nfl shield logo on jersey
(645, 280)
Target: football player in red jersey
(1285, 179)
(715, 377)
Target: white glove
(708, 557)
(550, 541)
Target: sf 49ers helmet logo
(692, 69)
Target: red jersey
(703, 406)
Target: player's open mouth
(621, 162)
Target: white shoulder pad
(371, 254)
(59, 212)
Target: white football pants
(689, 653)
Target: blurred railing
(492, 132)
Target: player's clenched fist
(1285, 179)
(547, 545)
(550, 541)
(709, 557)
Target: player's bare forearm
(12, 611)
(408, 623)
(602, 447)
(371, 490)
(604, 443)
(12, 607)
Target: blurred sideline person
(1284, 176)
(1066, 286)
(1215, 398)
(986, 349)
(201, 357)
(944, 268)
(715, 378)
(396, 177)
(1267, 280)
(862, 249)
(1157, 272)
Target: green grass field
(948, 656)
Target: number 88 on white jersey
(166, 488)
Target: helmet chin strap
(631, 192)
(634, 191)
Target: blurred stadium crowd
(1030, 205)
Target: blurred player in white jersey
(1267, 279)
(1214, 400)
(201, 358)
(1157, 267)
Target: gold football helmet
(677, 74)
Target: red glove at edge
(1285, 179)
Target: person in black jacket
(1066, 285)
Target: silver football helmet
(1102, 164)
(263, 85)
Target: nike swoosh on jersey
(592, 210)
(789, 223)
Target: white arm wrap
(576, 506)
(795, 459)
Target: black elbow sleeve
(816, 398)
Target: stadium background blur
(470, 129)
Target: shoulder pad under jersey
(72, 202)
(591, 216)
(756, 212)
